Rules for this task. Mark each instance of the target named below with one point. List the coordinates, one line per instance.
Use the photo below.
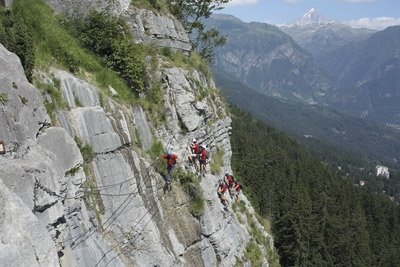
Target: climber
(221, 191)
(171, 161)
(194, 157)
(229, 180)
(238, 189)
(203, 159)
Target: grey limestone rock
(61, 148)
(151, 27)
(77, 92)
(181, 94)
(79, 7)
(25, 241)
(143, 126)
(21, 104)
(222, 234)
(42, 208)
(207, 252)
(95, 129)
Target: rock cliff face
(61, 206)
(166, 31)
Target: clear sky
(366, 13)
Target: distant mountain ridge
(360, 68)
(317, 124)
(367, 75)
(263, 57)
(320, 39)
(353, 70)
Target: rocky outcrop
(164, 30)
(23, 234)
(115, 7)
(6, 3)
(147, 26)
(223, 238)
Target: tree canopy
(191, 13)
(318, 217)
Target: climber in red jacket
(195, 150)
(171, 161)
(221, 191)
(238, 189)
(229, 180)
(203, 158)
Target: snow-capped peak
(311, 17)
(310, 13)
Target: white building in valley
(382, 171)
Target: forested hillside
(318, 218)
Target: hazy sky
(379, 13)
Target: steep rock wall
(112, 210)
(36, 178)
(128, 192)
(131, 220)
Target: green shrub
(138, 139)
(156, 149)
(16, 36)
(54, 45)
(153, 103)
(3, 98)
(56, 100)
(203, 93)
(72, 171)
(110, 38)
(217, 161)
(127, 60)
(191, 186)
(86, 150)
(254, 254)
(167, 52)
(77, 101)
(87, 153)
(51, 109)
(92, 197)
(159, 5)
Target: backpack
(205, 152)
(231, 182)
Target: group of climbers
(228, 185)
(199, 157)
